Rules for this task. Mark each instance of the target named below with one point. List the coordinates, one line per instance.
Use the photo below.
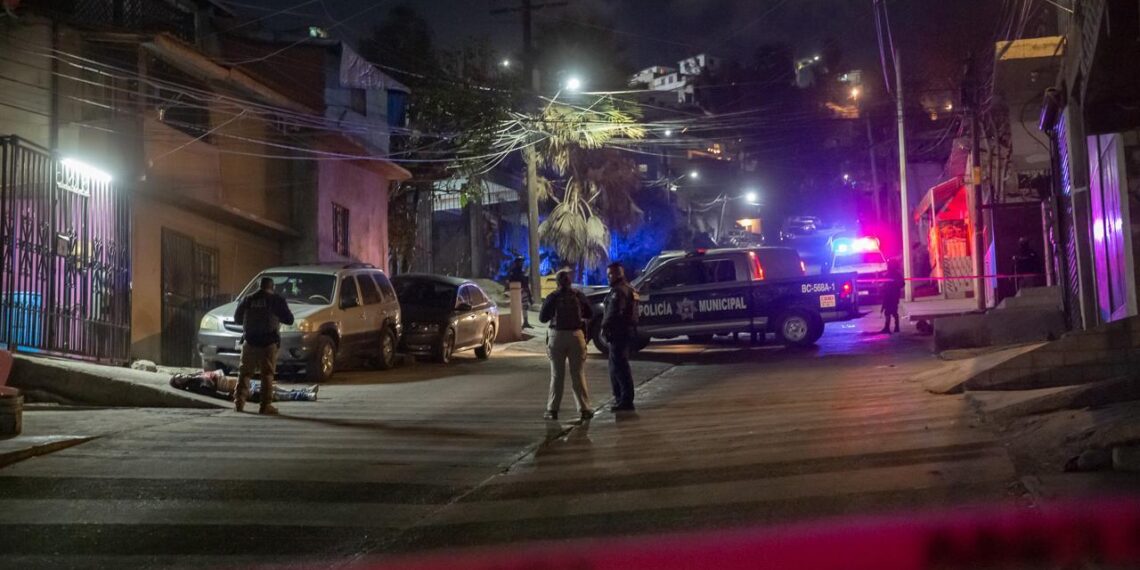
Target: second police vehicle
(862, 256)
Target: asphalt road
(431, 456)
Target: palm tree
(597, 181)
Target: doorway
(189, 289)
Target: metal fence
(64, 257)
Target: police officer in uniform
(619, 327)
(517, 274)
(261, 316)
(567, 310)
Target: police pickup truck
(723, 291)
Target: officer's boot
(267, 407)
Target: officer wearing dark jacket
(261, 315)
(568, 311)
(619, 327)
(517, 274)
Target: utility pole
(720, 224)
(975, 174)
(530, 70)
(904, 199)
(874, 173)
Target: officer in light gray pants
(567, 311)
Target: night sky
(933, 35)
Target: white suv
(343, 312)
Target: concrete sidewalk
(84, 383)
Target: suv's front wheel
(322, 361)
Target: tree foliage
(594, 183)
(458, 98)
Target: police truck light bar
(856, 245)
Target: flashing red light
(847, 289)
(757, 268)
(857, 245)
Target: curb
(40, 445)
(87, 384)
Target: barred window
(340, 229)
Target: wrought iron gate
(64, 257)
(189, 290)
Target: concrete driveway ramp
(1106, 352)
(951, 378)
(84, 383)
(1001, 405)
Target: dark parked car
(443, 315)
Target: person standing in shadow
(890, 291)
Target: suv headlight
(299, 325)
(210, 323)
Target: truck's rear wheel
(798, 328)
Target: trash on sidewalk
(11, 411)
(144, 365)
(217, 384)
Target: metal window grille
(64, 257)
(340, 229)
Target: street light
(573, 84)
(668, 132)
(854, 92)
(84, 170)
(815, 58)
(752, 196)
(846, 177)
(694, 174)
(505, 63)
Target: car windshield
(860, 258)
(307, 288)
(425, 293)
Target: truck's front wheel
(798, 328)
